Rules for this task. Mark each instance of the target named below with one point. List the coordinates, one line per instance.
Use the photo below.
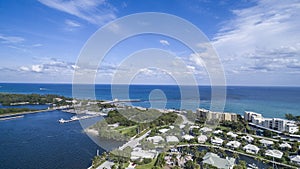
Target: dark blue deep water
(39, 141)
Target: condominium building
(221, 116)
(278, 124)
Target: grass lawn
(146, 166)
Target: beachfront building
(250, 148)
(274, 153)
(295, 159)
(233, 144)
(215, 160)
(155, 139)
(216, 141)
(220, 116)
(277, 124)
(266, 143)
(202, 139)
(249, 139)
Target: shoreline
(24, 113)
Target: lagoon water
(39, 141)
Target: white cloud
(37, 68)
(11, 39)
(72, 23)
(94, 11)
(164, 42)
(264, 37)
(37, 45)
(24, 68)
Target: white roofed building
(250, 148)
(216, 141)
(295, 159)
(202, 139)
(233, 144)
(274, 153)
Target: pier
(10, 118)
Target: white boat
(61, 120)
(252, 166)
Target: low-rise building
(231, 134)
(274, 153)
(155, 139)
(138, 153)
(233, 144)
(250, 148)
(218, 132)
(266, 143)
(295, 159)
(285, 145)
(188, 137)
(216, 141)
(215, 160)
(205, 129)
(202, 139)
(172, 139)
(249, 139)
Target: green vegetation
(9, 99)
(13, 110)
(292, 117)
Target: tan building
(209, 115)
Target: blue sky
(258, 42)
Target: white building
(138, 153)
(233, 144)
(188, 137)
(205, 129)
(231, 134)
(202, 139)
(218, 132)
(249, 139)
(295, 159)
(222, 163)
(172, 139)
(155, 139)
(274, 153)
(285, 145)
(250, 148)
(216, 141)
(278, 124)
(266, 143)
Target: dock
(10, 118)
(75, 118)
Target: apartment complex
(278, 124)
(220, 116)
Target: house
(218, 132)
(206, 130)
(216, 141)
(163, 130)
(274, 153)
(232, 134)
(188, 137)
(295, 159)
(285, 145)
(138, 153)
(172, 139)
(155, 139)
(233, 144)
(249, 139)
(222, 163)
(250, 148)
(266, 143)
(202, 139)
